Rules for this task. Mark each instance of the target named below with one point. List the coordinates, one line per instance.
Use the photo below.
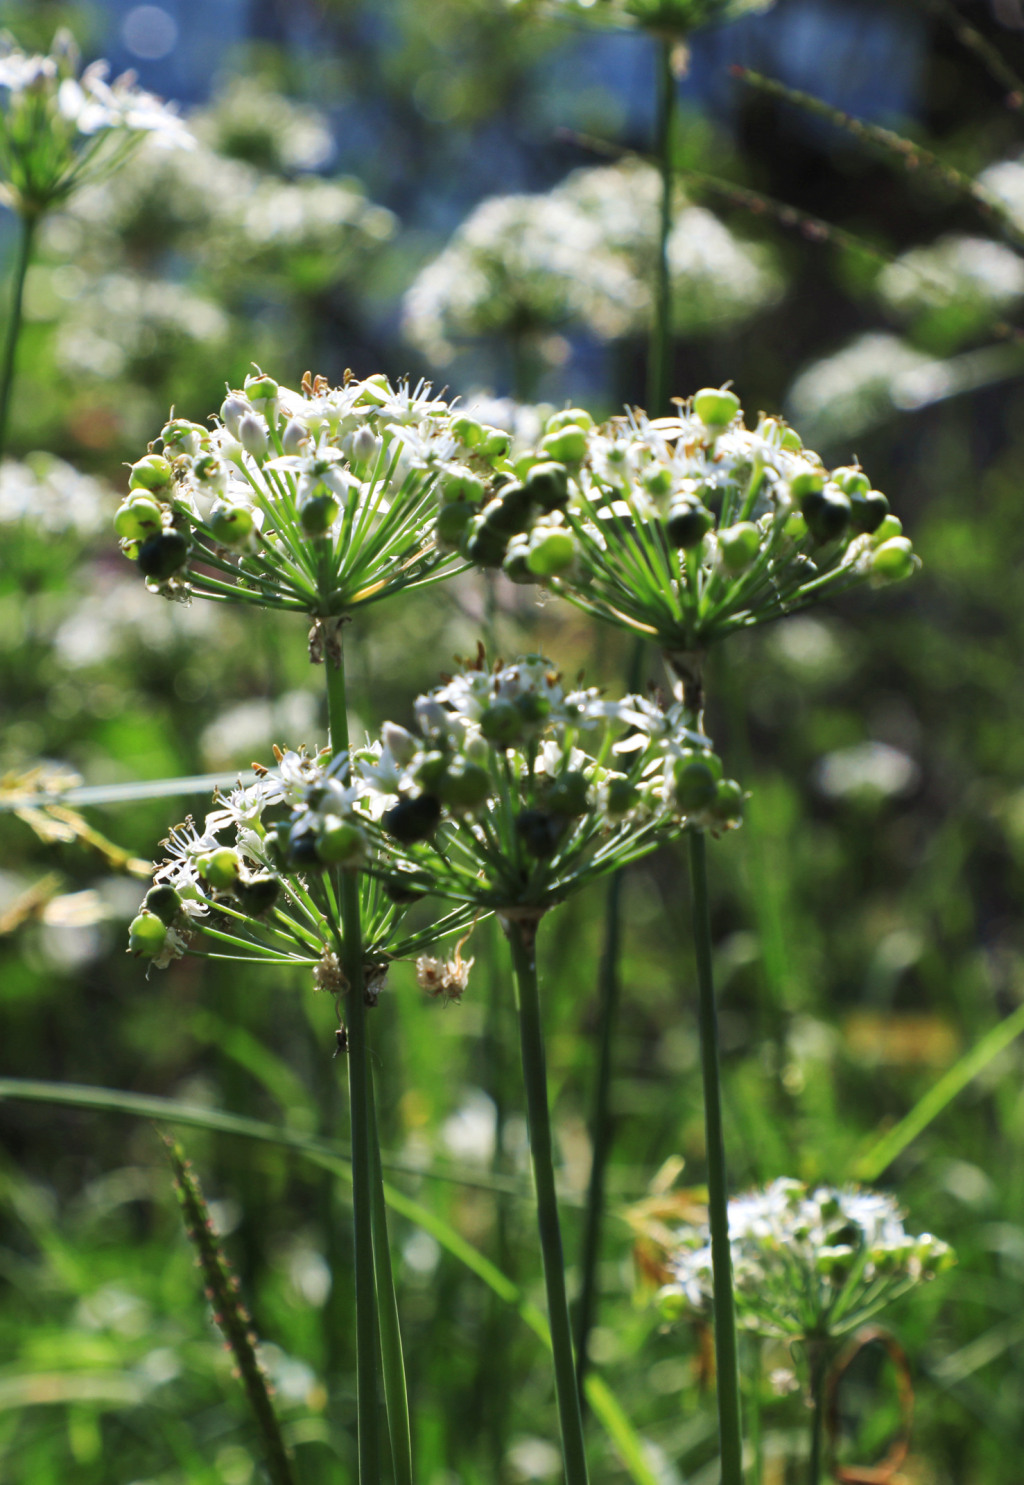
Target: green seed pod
(302, 847)
(738, 545)
(411, 820)
(152, 472)
(516, 566)
(317, 514)
(657, 480)
(539, 832)
(807, 482)
(231, 524)
(221, 868)
(181, 437)
(468, 431)
(577, 417)
(509, 512)
(495, 443)
(502, 724)
(796, 526)
(716, 406)
(532, 707)
(161, 556)
(620, 796)
(165, 902)
(893, 560)
(701, 755)
(430, 771)
(852, 480)
(462, 486)
(687, 524)
(339, 842)
(827, 513)
(207, 469)
(694, 788)
(258, 894)
(137, 519)
(889, 527)
(452, 520)
(483, 545)
(548, 485)
(552, 551)
(567, 445)
(728, 802)
(466, 786)
(868, 510)
(260, 389)
(146, 935)
(567, 795)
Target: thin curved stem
(26, 238)
(521, 937)
(660, 354)
(729, 1423)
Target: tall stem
(360, 1097)
(727, 1365)
(817, 1358)
(660, 353)
(521, 937)
(395, 1391)
(26, 239)
(600, 1128)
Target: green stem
(522, 937)
(660, 354)
(360, 1106)
(600, 1128)
(396, 1394)
(817, 1358)
(25, 241)
(727, 1366)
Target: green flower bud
(161, 555)
(502, 724)
(796, 526)
(339, 842)
(509, 512)
(411, 820)
(738, 545)
(452, 521)
(137, 519)
(165, 902)
(468, 431)
(567, 795)
(231, 524)
(258, 894)
(687, 523)
(893, 560)
(694, 788)
(495, 443)
(221, 868)
(567, 445)
(146, 935)
(577, 417)
(317, 514)
(716, 406)
(552, 551)
(851, 479)
(466, 786)
(868, 509)
(260, 390)
(548, 485)
(152, 472)
(827, 513)
(539, 832)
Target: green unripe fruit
(851, 480)
(502, 724)
(889, 527)
(430, 772)
(827, 513)
(687, 524)
(465, 786)
(452, 521)
(150, 473)
(716, 406)
(532, 707)
(548, 485)
(791, 441)
(411, 820)
(137, 519)
(807, 482)
(317, 514)
(462, 486)
(693, 755)
(620, 796)
(893, 560)
(483, 545)
(179, 433)
(221, 868)
(657, 480)
(161, 556)
(567, 796)
(728, 805)
(302, 848)
(551, 552)
(258, 895)
(509, 512)
(796, 526)
(495, 443)
(694, 788)
(206, 468)
(165, 902)
(539, 832)
(577, 417)
(568, 445)
(516, 567)
(231, 524)
(738, 545)
(868, 510)
(146, 935)
(260, 388)
(468, 431)
(339, 842)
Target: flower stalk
(26, 239)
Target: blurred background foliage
(463, 191)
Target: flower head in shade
(60, 128)
(808, 1262)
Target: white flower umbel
(809, 1263)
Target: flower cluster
(807, 1263)
(513, 792)
(319, 501)
(59, 129)
(688, 527)
(671, 18)
(251, 884)
(583, 255)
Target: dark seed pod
(317, 514)
(567, 795)
(302, 848)
(516, 567)
(695, 788)
(258, 894)
(165, 902)
(827, 513)
(548, 485)
(509, 512)
(868, 510)
(483, 545)
(532, 707)
(452, 520)
(161, 556)
(539, 832)
(687, 524)
(411, 820)
(502, 724)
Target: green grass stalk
(522, 940)
(727, 1364)
(26, 240)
